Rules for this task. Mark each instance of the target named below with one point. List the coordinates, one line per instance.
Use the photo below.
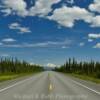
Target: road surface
(49, 86)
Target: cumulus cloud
(24, 30)
(19, 7)
(6, 12)
(66, 16)
(17, 26)
(64, 47)
(70, 1)
(90, 40)
(15, 6)
(97, 45)
(51, 65)
(95, 6)
(81, 44)
(95, 21)
(8, 40)
(42, 7)
(14, 25)
(94, 36)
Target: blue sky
(48, 32)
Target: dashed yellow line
(50, 87)
(50, 84)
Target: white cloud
(94, 36)
(24, 30)
(7, 40)
(66, 43)
(6, 12)
(14, 25)
(81, 44)
(70, 1)
(66, 16)
(18, 27)
(51, 65)
(90, 40)
(95, 6)
(64, 47)
(95, 21)
(50, 44)
(97, 45)
(16, 6)
(19, 7)
(42, 7)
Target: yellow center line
(50, 87)
(50, 84)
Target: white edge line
(86, 87)
(20, 82)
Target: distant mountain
(48, 68)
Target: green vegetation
(7, 77)
(13, 68)
(84, 77)
(84, 70)
(4, 77)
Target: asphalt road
(49, 86)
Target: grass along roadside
(85, 77)
(5, 77)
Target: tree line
(91, 68)
(11, 65)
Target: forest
(15, 66)
(88, 68)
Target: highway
(49, 85)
